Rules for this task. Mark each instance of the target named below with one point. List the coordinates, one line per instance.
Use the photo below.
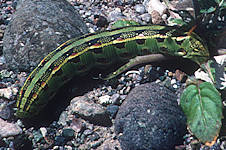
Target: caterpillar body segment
(100, 50)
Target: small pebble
(69, 125)
(114, 98)
(68, 133)
(8, 92)
(173, 81)
(37, 136)
(9, 129)
(170, 74)
(2, 60)
(112, 110)
(94, 137)
(140, 8)
(43, 131)
(87, 132)
(105, 99)
(175, 86)
(59, 140)
(100, 21)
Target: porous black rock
(150, 119)
(37, 28)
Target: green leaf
(124, 23)
(178, 21)
(209, 10)
(203, 107)
(217, 1)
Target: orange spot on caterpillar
(21, 92)
(43, 84)
(73, 54)
(96, 44)
(34, 96)
(55, 68)
(42, 61)
(29, 77)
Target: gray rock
(9, 129)
(89, 111)
(150, 119)
(37, 28)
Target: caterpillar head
(194, 48)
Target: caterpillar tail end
(23, 114)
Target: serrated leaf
(203, 107)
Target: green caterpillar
(77, 56)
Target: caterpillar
(77, 56)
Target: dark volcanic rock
(37, 28)
(150, 119)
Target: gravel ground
(59, 134)
(6, 9)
